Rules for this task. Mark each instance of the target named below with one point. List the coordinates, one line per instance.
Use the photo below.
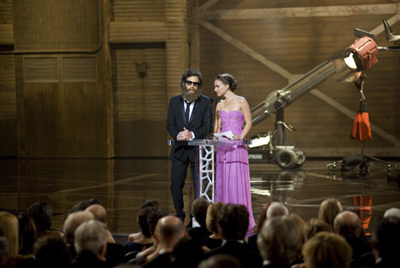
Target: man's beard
(189, 96)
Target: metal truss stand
(206, 164)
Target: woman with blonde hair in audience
(328, 210)
(9, 223)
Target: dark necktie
(187, 111)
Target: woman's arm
(217, 122)
(244, 106)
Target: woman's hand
(237, 137)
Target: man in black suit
(190, 116)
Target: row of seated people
(219, 238)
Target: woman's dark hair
(227, 79)
(41, 213)
(142, 216)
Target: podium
(206, 163)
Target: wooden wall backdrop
(70, 86)
(267, 44)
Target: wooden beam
(246, 49)
(293, 12)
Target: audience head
(98, 211)
(51, 251)
(73, 221)
(84, 204)
(152, 220)
(199, 210)
(142, 219)
(150, 203)
(276, 209)
(385, 239)
(92, 236)
(188, 253)
(9, 223)
(300, 223)
(328, 210)
(212, 216)
(314, 226)
(280, 241)
(41, 213)
(27, 234)
(233, 222)
(227, 79)
(327, 250)
(169, 230)
(348, 224)
(220, 261)
(263, 216)
(395, 212)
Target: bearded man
(190, 116)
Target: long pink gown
(232, 183)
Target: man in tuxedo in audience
(190, 116)
(347, 224)
(169, 231)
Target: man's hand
(185, 135)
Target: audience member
(215, 239)
(187, 253)
(314, 226)
(385, 241)
(27, 238)
(326, 250)
(115, 252)
(233, 221)
(395, 212)
(347, 224)
(220, 261)
(148, 203)
(9, 223)
(252, 240)
(199, 233)
(169, 231)
(145, 240)
(276, 209)
(27, 234)
(73, 221)
(51, 251)
(300, 223)
(91, 245)
(42, 214)
(328, 210)
(280, 242)
(84, 204)
(100, 214)
(152, 220)
(6, 258)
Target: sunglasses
(189, 83)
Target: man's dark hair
(192, 72)
(199, 210)
(233, 222)
(386, 237)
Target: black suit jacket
(247, 257)
(200, 123)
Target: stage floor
(123, 184)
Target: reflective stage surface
(123, 184)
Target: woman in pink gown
(232, 171)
